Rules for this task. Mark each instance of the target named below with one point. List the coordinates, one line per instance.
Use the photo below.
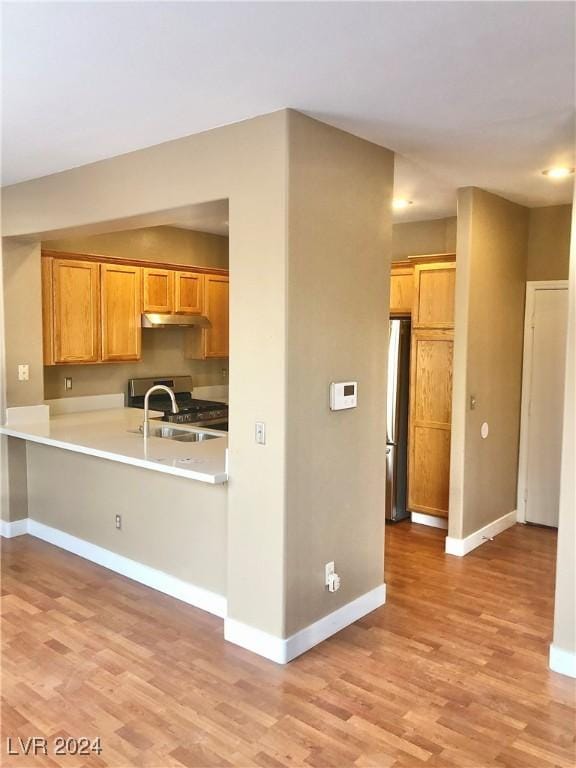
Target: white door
(545, 356)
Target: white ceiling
(467, 93)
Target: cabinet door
(401, 290)
(158, 290)
(434, 286)
(216, 298)
(430, 421)
(75, 313)
(121, 306)
(189, 293)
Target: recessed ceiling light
(400, 203)
(558, 173)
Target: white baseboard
(283, 650)
(144, 574)
(431, 520)
(461, 547)
(15, 528)
(563, 662)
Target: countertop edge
(217, 479)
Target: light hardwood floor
(451, 672)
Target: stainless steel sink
(172, 433)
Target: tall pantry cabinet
(430, 412)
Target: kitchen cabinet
(158, 290)
(430, 421)
(71, 314)
(433, 305)
(121, 308)
(189, 293)
(92, 306)
(216, 296)
(401, 290)
(423, 287)
(211, 342)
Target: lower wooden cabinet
(121, 308)
(430, 421)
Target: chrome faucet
(156, 387)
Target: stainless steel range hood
(154, 320)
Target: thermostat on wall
(343, 394)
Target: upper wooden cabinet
(189, 293)
(211, 342)
(169, 290)
(71, 291)
(434, 287)
(401, 290)
(92, 306)
(121, 308)
(216, 296)
(158, 290)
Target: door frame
(531, 287)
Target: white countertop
(107, 434)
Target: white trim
(563, 662)
(27, 414)
(431, 520)
(461, 547)
(15, 528)
(283, 650)
(531, 287)
(144, 574)
(85, 403)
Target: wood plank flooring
(451, 673)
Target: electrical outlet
(224, 373)
(118, 521)
(24, 372)
(331, 578)
(67, 382)
(261, 433)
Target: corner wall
(563, 650)
(549, 243)
(490, 295)
(339, 237)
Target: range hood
(155, 320)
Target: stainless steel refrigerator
(397, 420)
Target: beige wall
(565, 604)
(162, 349)
(167, 244)
(339, 241)
(247, 163)
(415, 238)
(162, 354)
(175, 525)
(490, 293)
(22, 343)
(23, 319)
(549, 243)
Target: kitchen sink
(172, 433)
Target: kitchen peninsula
(153, 510)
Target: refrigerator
(397, 420)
